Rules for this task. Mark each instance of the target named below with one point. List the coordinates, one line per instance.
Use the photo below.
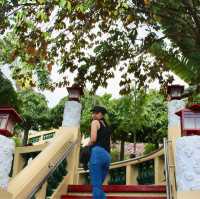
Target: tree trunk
(157, 145)
(134, 148)
(122, 150)
(134, 144)
(25, 139)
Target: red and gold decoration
(8, 118)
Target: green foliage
(87, 102)
(7, 93)
(18, 141)
(111, 30)
(146, 173)
(56, 114)
(180, 66)
(117, 176)
(126, 118)
(138, 117)
(34, 111)
(114, 155)
(148, 148)
(155, 119)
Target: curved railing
(32, 180)
(147, 169)
(53, 170)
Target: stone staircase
(118, 192)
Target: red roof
(195, 107)
(179, 113)
(10, 110)
(6, 133)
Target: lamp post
(175, 104)
(190, 121)
(75, 92)
(8, 118)
(72, 110)
(181, 122)
(175, 91)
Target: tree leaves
(62, 3)
(106, 35)
(8, 93)
(34, 110)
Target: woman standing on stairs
(100, 151)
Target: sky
(113, 87)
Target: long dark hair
(104, 121)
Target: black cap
(98, 109)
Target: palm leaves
(185, 68)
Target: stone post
(72, 114)
(174, 132)
(8, 118)
(7, 147)
(174, 125)
(71, 118)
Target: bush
(18, 141)
(148, 148)
(114, 155)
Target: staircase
(118, 192)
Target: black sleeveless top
(103, 137)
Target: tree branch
(193, 13)
(18, 7)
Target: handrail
(53, 168)
(130, 172)
(167, 169)
(23, 184)
(132, 161)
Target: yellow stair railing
(131, 167)
(32, 179)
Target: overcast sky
(113, 86)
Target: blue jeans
(99, 167)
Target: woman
(100, 152)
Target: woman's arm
(93, 135)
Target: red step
(75, 191)
(120, 188)
(112, 197)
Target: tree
(137, 117)
(7, 93)
(87, 102)
(34, 110)
(56, 113)
(127, 118)
(155, 120)
(37, 34)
